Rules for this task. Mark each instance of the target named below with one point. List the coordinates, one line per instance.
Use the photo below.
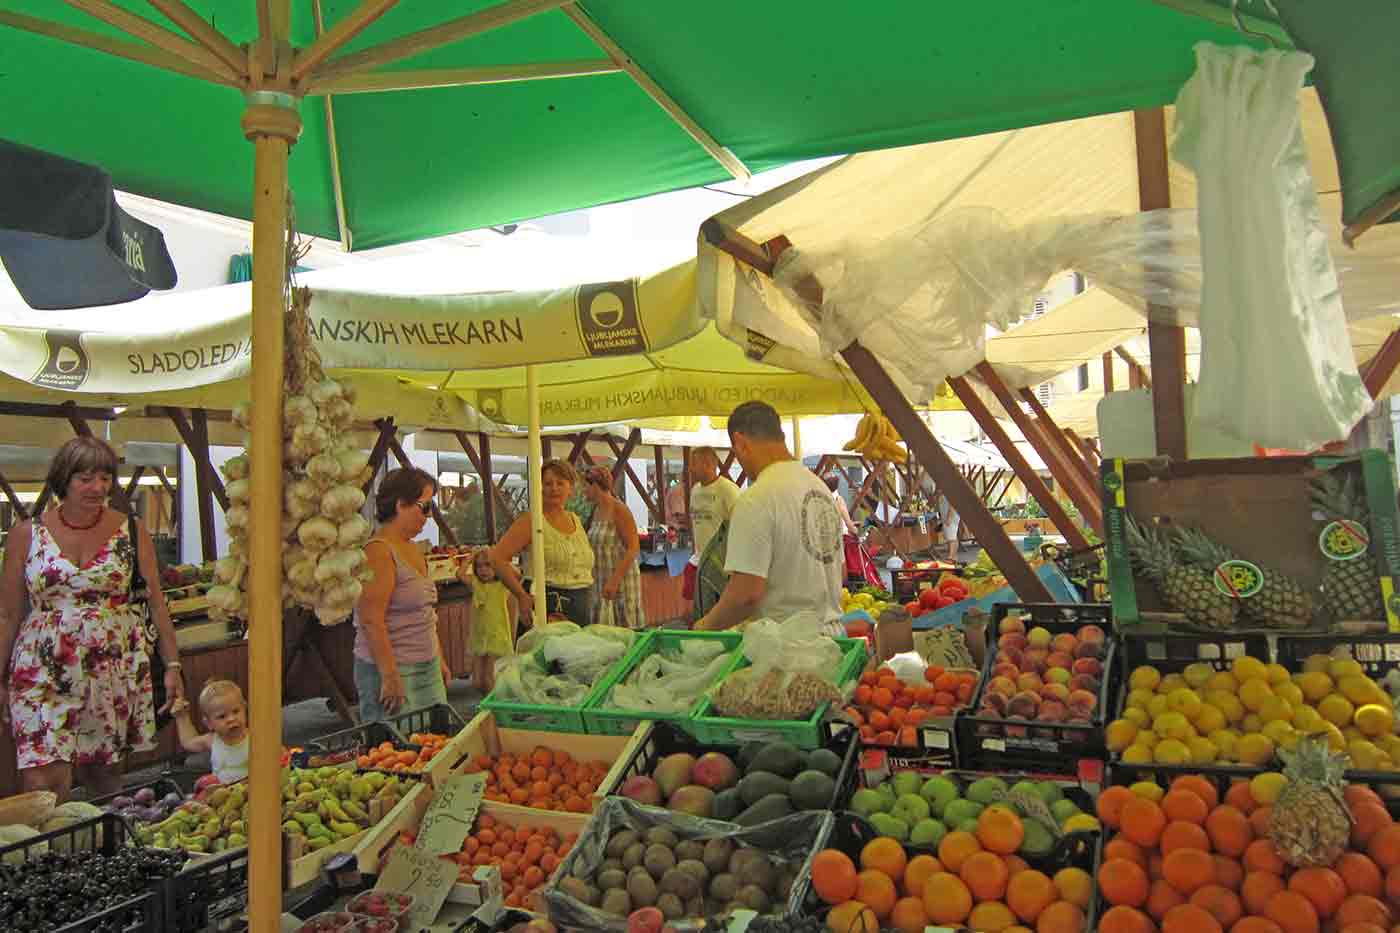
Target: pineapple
(1281, 603)
(1184, 588)
(1351, 587)
(1310, 823)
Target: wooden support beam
(64, 410)
(136, 475)
(172, 43)
(204, 483)
(992, 485)
(659, 454)
(174, 494)
(1138, 376)
(1090, 455)
(580, 447)
(1020, 466)
(41, 502)
(218, 45)
(728, 461)
(374, 82)
(547, 448)
(10, 494)
(379, 451)
(624, 467)
(1107, 373)
(329, 42)
(1073, 456)
(1167, 343)
(685, 481)
(1006, 487)
(76, 421)
(131, 51)
(1376, 371)
(203, 468)
(405, 462)
(492, 496)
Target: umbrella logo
(608, 318)
(67, 364)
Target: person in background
(568, 557)
(492, 634)
(675, 507)
(712, 499)
(952, 524)
(617, 578)
(833, 483)
(225, 715)
(75, 665)
(398, 662)
(784, 553)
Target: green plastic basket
(808, 733)
(513, 714)
(599, 719)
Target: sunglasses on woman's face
(425, 507)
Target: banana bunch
(876, 439)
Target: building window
(1083, 376)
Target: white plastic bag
(792, 672)
(1276, 362)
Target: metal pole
(532, 396)
(797, 437)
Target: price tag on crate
(427, 877)
(449, 818)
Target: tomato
(915, 608)
(929, 598)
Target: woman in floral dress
(75, 671)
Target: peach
(1088, 649)
(995, 704)
(1058, 675)
(1029, 681)
(1055, 691)
(1011, 625)
(1003, 669)
(1009, 656)
(1012, 640)
(1023, 705)
(1081, 702)
(1034, 666)
(1006, 686)
(1090, 633)
(1086, 682)
(1064, 642)
(1039, 637)
(1088, 666)
(1059, 659)
(1035, 654)
(1052, 711)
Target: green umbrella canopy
(771, 83)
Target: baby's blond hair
(216, 690)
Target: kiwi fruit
(717, 854)
(621, 842)
(580, 890)
(690, 849)
(658, 860)
(753, 897)
(661, 836)
(695, 907)
(671, 906)
(640, 888)
(696, 868)
(723, 887)
(753, 866)
(634, 855)
(612, 878)
(617, 902)
(681, 883)
(612, 864)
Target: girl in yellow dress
(492, 633)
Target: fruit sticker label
(1238, 579)
(1344, 540)
(428, 878)
(449, 818)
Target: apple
(1029, 681)
(1039, 637)
(1059, 659)
(1064, 642)
(1012, 640)
(1011, 625)
(1088, 666)
(1054, 691)
(1005, 670)
(1002, 685)
(1058, 675)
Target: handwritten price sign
(449, 818)
(427, 877)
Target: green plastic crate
(513, 714)
(807, 733)
(599, 719)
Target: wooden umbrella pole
(272, 122)
(532, 393)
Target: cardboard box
(1260, 508)
(892, 638)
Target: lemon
(1276, 709)
(1203, 750)
(1254, 692)
(1225, 740)
(1208, 720)
(1252, 723)
(1173, 726)
(1247, 668)
(1391, 745)
(1352, 734)
(1290, 692)
(1281, 733)
(1266, 787)
(1139, 698)
(1227, 703)
(1307, 720)
(1223, 680)
(1149, 790)
(1148, 738)
(1137, 717)
(1198, 674)
(1172, 682)
(1335, 740)
(1315, 685)
(1359, 690)
(1137, 754)
(1144, 678)
(1317, 663)
(1157, 706)
(1336, 709)
(1374, 720)
(1344, 667)
(1185, 701)
(1254, 749)
(1365, 755)
(1119, 734)
(1081, 822)
(1171, 752)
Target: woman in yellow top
(492, 633)
(568, 555)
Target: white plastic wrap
(793, 671)
(558, 664)
(1277, 367)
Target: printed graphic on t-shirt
(821, 526)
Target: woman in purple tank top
(398, 662)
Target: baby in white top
(225, 714)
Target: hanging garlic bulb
(353, 532)
(298, 410)
(243, 415)
(235, 468)
(323, 469)
(340, 502)
(317, 534)
(238, 490)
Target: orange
(1121, 848)
(1074, 885)
(955, 848)
(1188, 869)
(908, 915)
(1143, 821)
(1188, 918)
(1362, 928)
(1229, 829)
(1358, 908)
(1060, 917)
(1323, 886)
(999, 829)
(1221, 903)
(886, 855)
(1123, 882)
(1030, 892)
(1262, 856)
(985, 875)
(1184, 805)
(1259, 820)
(918, 870)
(875, 890)
(1356, 793)
(947, 901)
(1122, 919)
(1293, 912)
(852, 917)
(1258, 889)
(833, 876)
(1360, 874)
(1111, 804)
(1368, 818)
(1256, 925)
(1228, 873)
(1384, 846)
(1241, 797)
(1392, 886)
(991, 915)
(1182, 835)
(1014, 864)
(1201, 787)
(1162, 897)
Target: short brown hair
(599, 476)
(400, 487)
(560, 468)
(756, 420)
(84, 454)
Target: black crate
(438, 718)
(1171, 654)
(665, 739)
(141, 914)
(355, 740)
(210, 896)
(996, 743)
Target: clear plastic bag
(793, 671)
(559, 663)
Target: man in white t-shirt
(711, 503)
(784, 553)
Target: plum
(121, 803)
(145, 796)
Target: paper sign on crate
(449, 818)
(425, 876)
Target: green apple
(960, 811)
(1049, 791)
(929, 832)
(892, 826)
(1058, 675)
(906, 782)
(1062, 810)
(866, 802)
(939, 791)
(911, 808)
